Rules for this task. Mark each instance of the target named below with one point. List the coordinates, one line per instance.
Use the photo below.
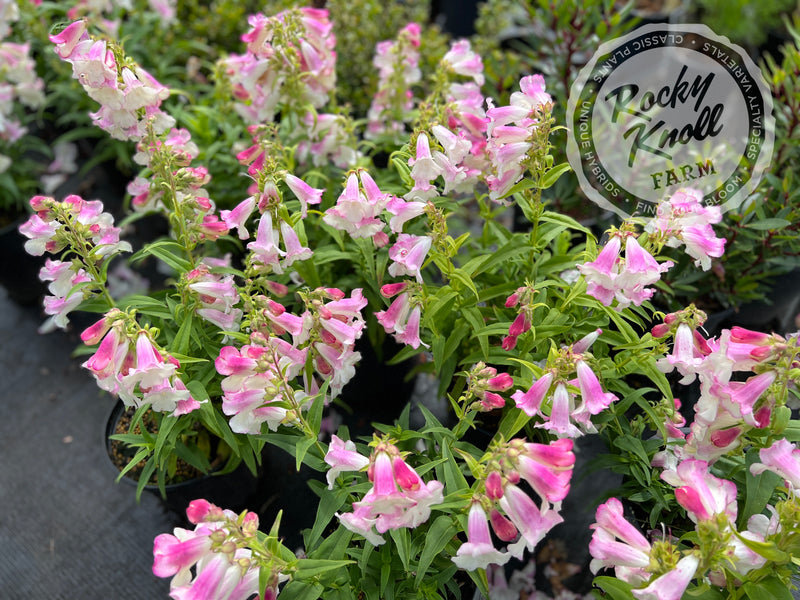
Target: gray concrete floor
(67, 530)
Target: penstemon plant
(348, 230)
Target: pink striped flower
(304, 192)
(618, 544)
(531, 401)
(479, 551)
(783, 458)
(342, 456)
(532, 523)
(408, 254)
(547, 468)
(702, 494)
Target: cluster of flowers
(680, 220)
(684, 220)
(552, 398)
(397, 63)
(725, 412)
(398, 497)
(76, 224)
(167, 167)
(129, 96)
(547, 469)
(257, 387)
(726, 409)
(509, 130)
(224, 551)
(19, 85)
(128, 364)
(277, 70)
(274, 223)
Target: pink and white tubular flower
(530, 402)
(218, 573)
(702, 495)
(253, 380)
(258, 77)
(463, 61)
(478, 552)
(304, 193)
(424, 169)
(608, 277)
(618, 544)
(398, 69)
(329, 140)
(63, 277)
(357, 211)
(547, 468)
(402, 320)
(126, 106)
(402, 211)
(398, 498)
(295, 251)
(783, 458)
(218, 296)
(670, 585)
(685, 356)
(237, 218)
(594, 399)
(408, 255)
(107, 362)
(683, 219)
(265, 250)
(532, 523)
(343, 456)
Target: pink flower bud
(503, 528)
(275, 308)
(746, 336)
(494, 485)
(491, 401)
(660, 330)
(512, 300)
(391, 289)
(94, 333)
(519, 326)
(670, 318)
(501, 382)
(404, 475)
(197, 510)
(509, 343)
(278, 289)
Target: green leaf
(402, 542)
(552, 175)
(301, 590)
(614, 588)
(772, 588)
(767, 224)
(168, 252)
(513, 420)
(454, 480)
(330, 501)
(441, 531)
(184, 335)
(759, 488)
(311, 567)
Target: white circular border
(607, 48)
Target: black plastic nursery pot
(19, 272)
(232, 490)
